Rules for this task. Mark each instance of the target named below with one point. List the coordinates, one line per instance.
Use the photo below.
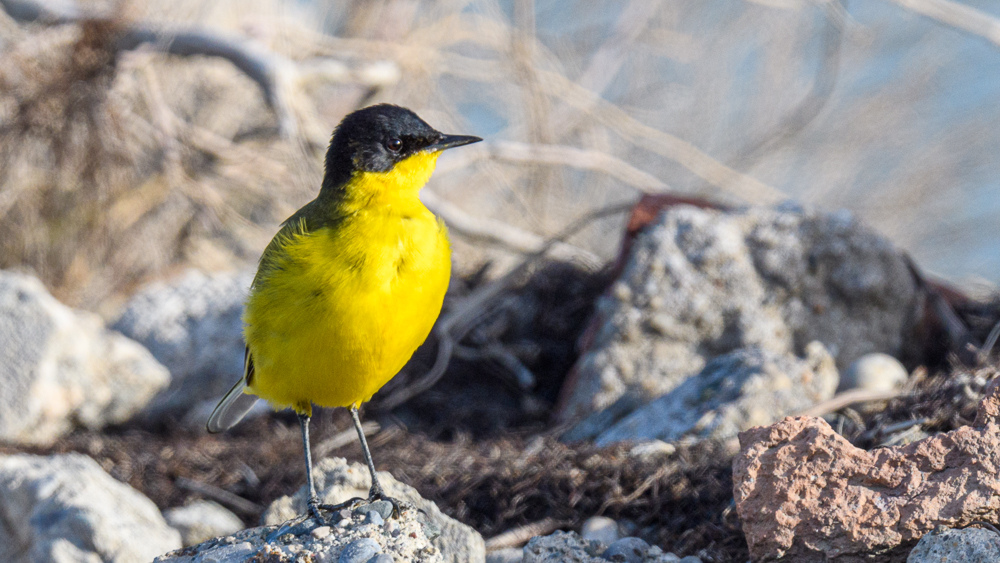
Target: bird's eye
(395, 145)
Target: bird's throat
(402, 183)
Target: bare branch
(222, 496)
(517, 537)
(956, 15)
(848, 398)
(608, 59)
(276, 75)
(50, 13)
(491, 230)
(814, 101)
(562, 155)
(660, 142)
(344, 438)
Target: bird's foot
(378, 501)
(301, 524)
(377, 495)
(313, 518)
(349, 504)
(314, 510)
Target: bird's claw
(349, 504)
(296, 526)
(378, 494)
(314, 510)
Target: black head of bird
(377, 138)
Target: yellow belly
(345, 309)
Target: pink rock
(805, 493)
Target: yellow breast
(342, 308)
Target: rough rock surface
(66, 508)
(193, 326)
(351, 537)
(699, 283)
(569, 547)
(337, 481)
(736, 391)
(968, 545)
(804, 492)
(506, 555)
(60, 367)
(202, 520)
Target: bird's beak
(452, 141)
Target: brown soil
(493, 484)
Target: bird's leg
(376, 492)
(313, 502)
(294, 525)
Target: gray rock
(969, 545)
(304, 539)
(381, 507)
(506, 555)
(337, 481)
(874, 372)
(737, 391)
(560, 546)
(194, 327)
(627, 550)
(601, 529)
(359, 551)
(202, 520)
(374, 517)
(570, 547)
(700, 283)
(60, 367)
(66, 508)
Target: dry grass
(117, 167)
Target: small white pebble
(600, 528)
(391, 526)
(874, 372)
(652, 450)
(321, 532)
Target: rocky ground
(632, 414)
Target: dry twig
(848, 398)
(517, 537)
(957, 15)
(493, 231)
(562, 155)
(222, 496)
(276, 74)
(344, 438)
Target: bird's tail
(232, 408)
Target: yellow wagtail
(352, 283)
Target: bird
(352, 282)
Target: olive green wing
(237, 402)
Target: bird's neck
(398, 188)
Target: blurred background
(143, 142)
(130, 149)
